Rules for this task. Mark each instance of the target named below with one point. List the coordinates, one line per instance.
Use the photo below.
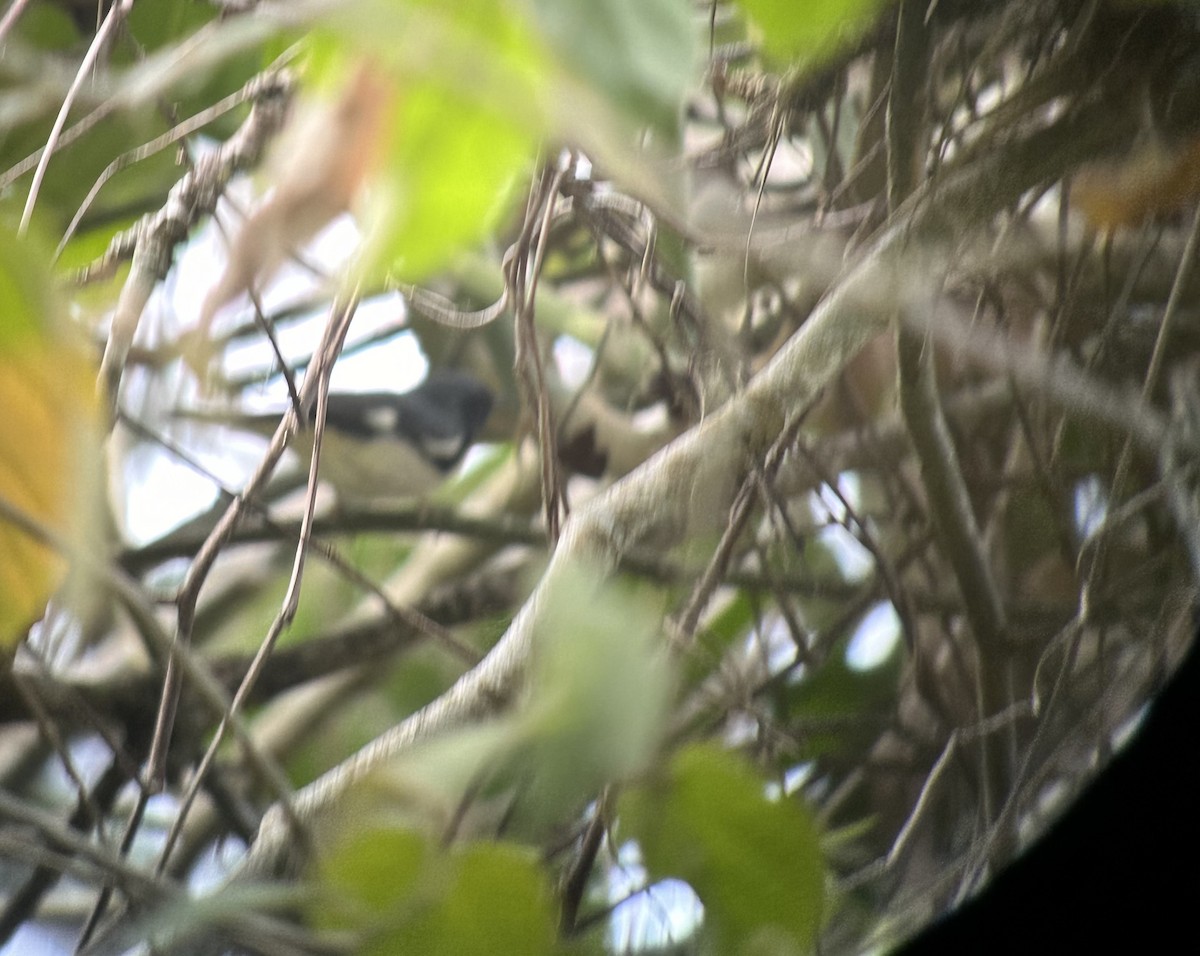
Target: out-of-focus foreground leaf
(481, 87)
(639, 53)
(792, 32)
(47, 391)
(754, 862)
(402, 893)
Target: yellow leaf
(47, 392)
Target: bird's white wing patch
(382, 420)
(441, 449)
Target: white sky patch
(162, 493)
(574, 360)
(854, 561)
(740, 729)
(776, 642)
(41, 938)
(214, 864)
(1130, 726)
(1091, 506)
(795, 777)
(393, 366)
(828, 506)
(875, 638)
(664, 913)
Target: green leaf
(755, 863)
(449, 177)
(464, 124)
(811, 30)
(600, 687)
(483, 85)
(27, 299)
(595, 710)
(167, 21)
(497, 901)
(400, 893)
(364, 877)
(639, 54)
(46, 28)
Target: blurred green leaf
(595, 711)
(141, 98)
(807, 31)
(431, 786)
(730, 622)
(46, 28)
(401, 893)
(188, 29)
(600, 687)
(27, 299)
(641, 54)
(464, 123)
(366, 874)
(481, 86)
(166, 21)
(88, 245)
(755, 863)
(450, 175)
(498, 902)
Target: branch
(153, 240)
(688, 486)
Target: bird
(383, 445)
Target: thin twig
(116, 14)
